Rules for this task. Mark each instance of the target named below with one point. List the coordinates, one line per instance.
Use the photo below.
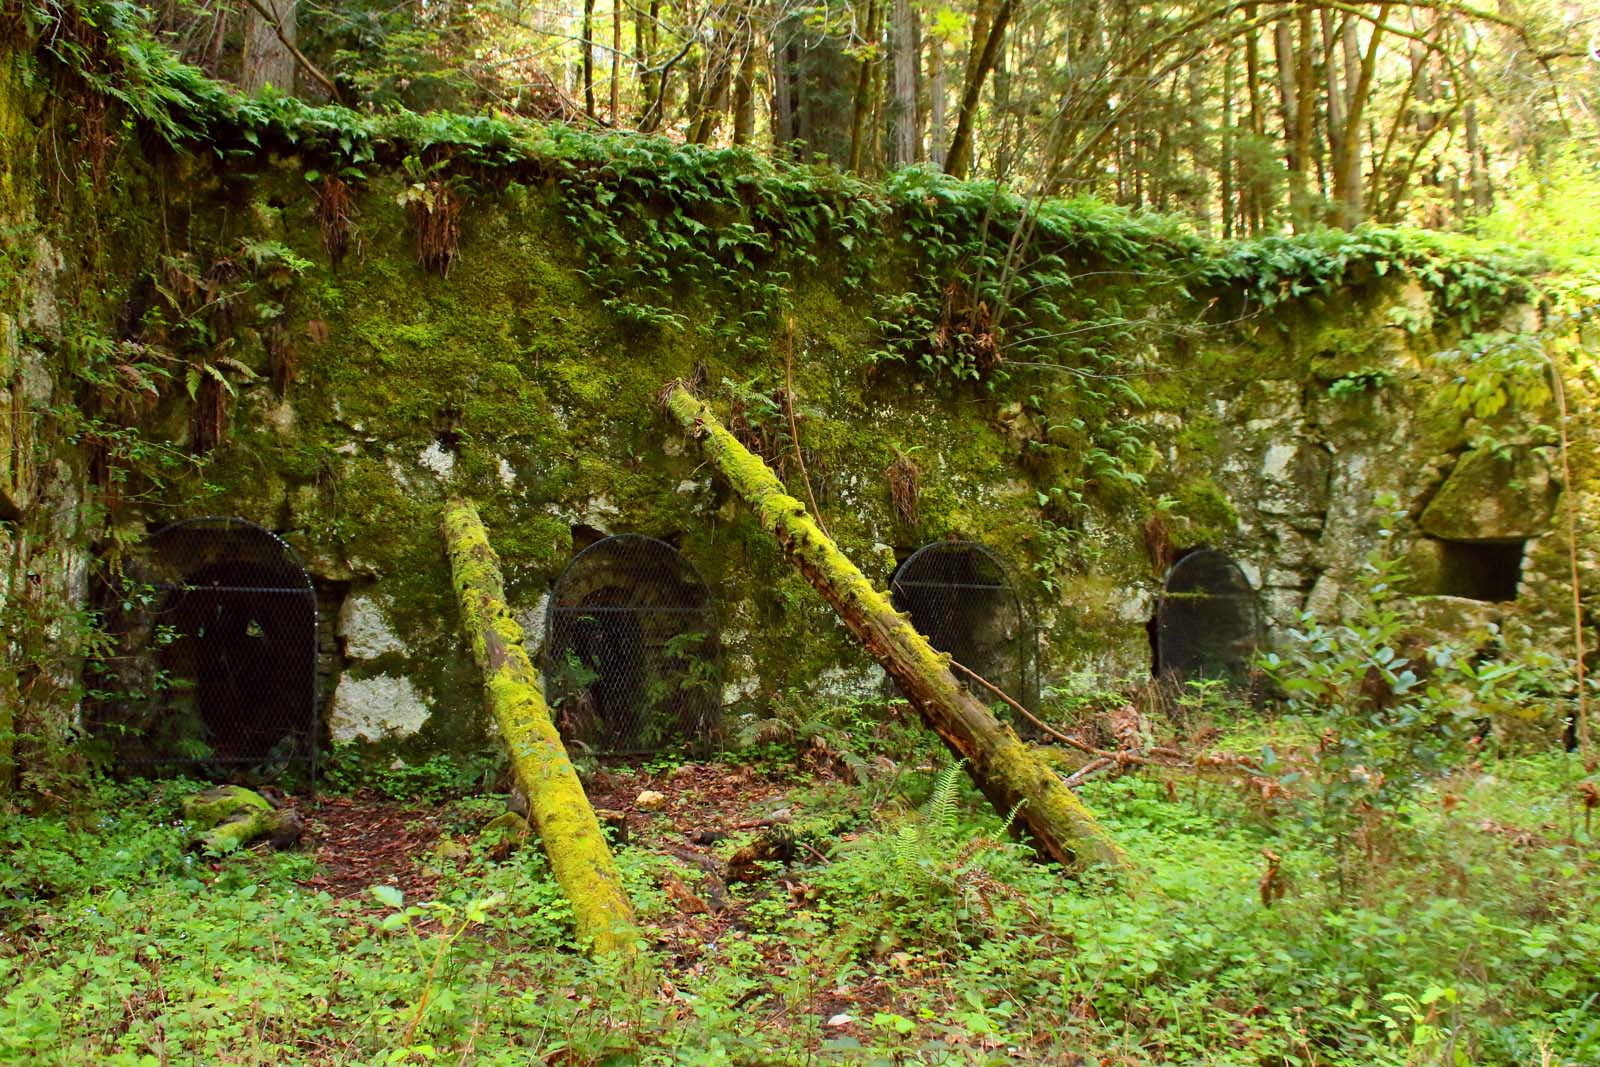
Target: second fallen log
(1008, 772)
(557, 805)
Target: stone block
(376, 709)
(1493, 497)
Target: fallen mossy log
(1008, 772)
(229, 817)
(557, 805)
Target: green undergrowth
(909, 928)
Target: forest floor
(897, 923)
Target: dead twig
(1581, 726)
(1105, 759)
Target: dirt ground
(708, 809)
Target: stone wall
(364, 393)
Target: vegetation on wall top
(787, 206)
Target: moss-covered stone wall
(342, 401)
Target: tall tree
(588, 58)
(862, 107)
(988, 33)
(270, 33)
(904, 114)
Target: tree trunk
(1347, 114)
(268, 60)
(1254, 206)
(567, 826)
(987, 38)
(1297, 99)
(905, 85)
(919, 92)
(1477, 163)
(1008, 772)
(1305, 115)
(782, 67)
(1225, 163)
(616, 63)
(1477, 152)
(744, 97)
(228, 817)
(714, 89)
(588, 58)
(863, 98)
(646, 36)
(936, 100)
(1338, 95)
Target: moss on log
(212, 807)
(560, 811)
(230, 816)
(1008, 771)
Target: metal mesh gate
(1208, 622)
(632, 650)
(963, 598)
(217, 630)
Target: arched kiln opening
(963, 597)
(217, 625)
(633, 649)
(1208, 622)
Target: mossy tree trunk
(1008, 772)
(567, 825)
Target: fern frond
(939, 814)
(908, 849)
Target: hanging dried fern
(434, 209)
(1158, 542)
(905, 487)
(336, 210)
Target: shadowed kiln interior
(1208, 623)
(631, 660)
(963, 598)
(220, 621)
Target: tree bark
(588, 58)
(268, 58)
(863, 97)
(1298, 100)
(1225, 163)
(616, 62)
(936, 100)
(228, 817)
(744, 97)
(905, 85)
(567, 825)
(1254, 207)
(1338, 110)
(1010, 773)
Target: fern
(939, 813)
(909, 849)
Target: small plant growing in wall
(1365, 380)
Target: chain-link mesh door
(1208, 621)
(632, 650)
(216, 626)
(964, 599)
